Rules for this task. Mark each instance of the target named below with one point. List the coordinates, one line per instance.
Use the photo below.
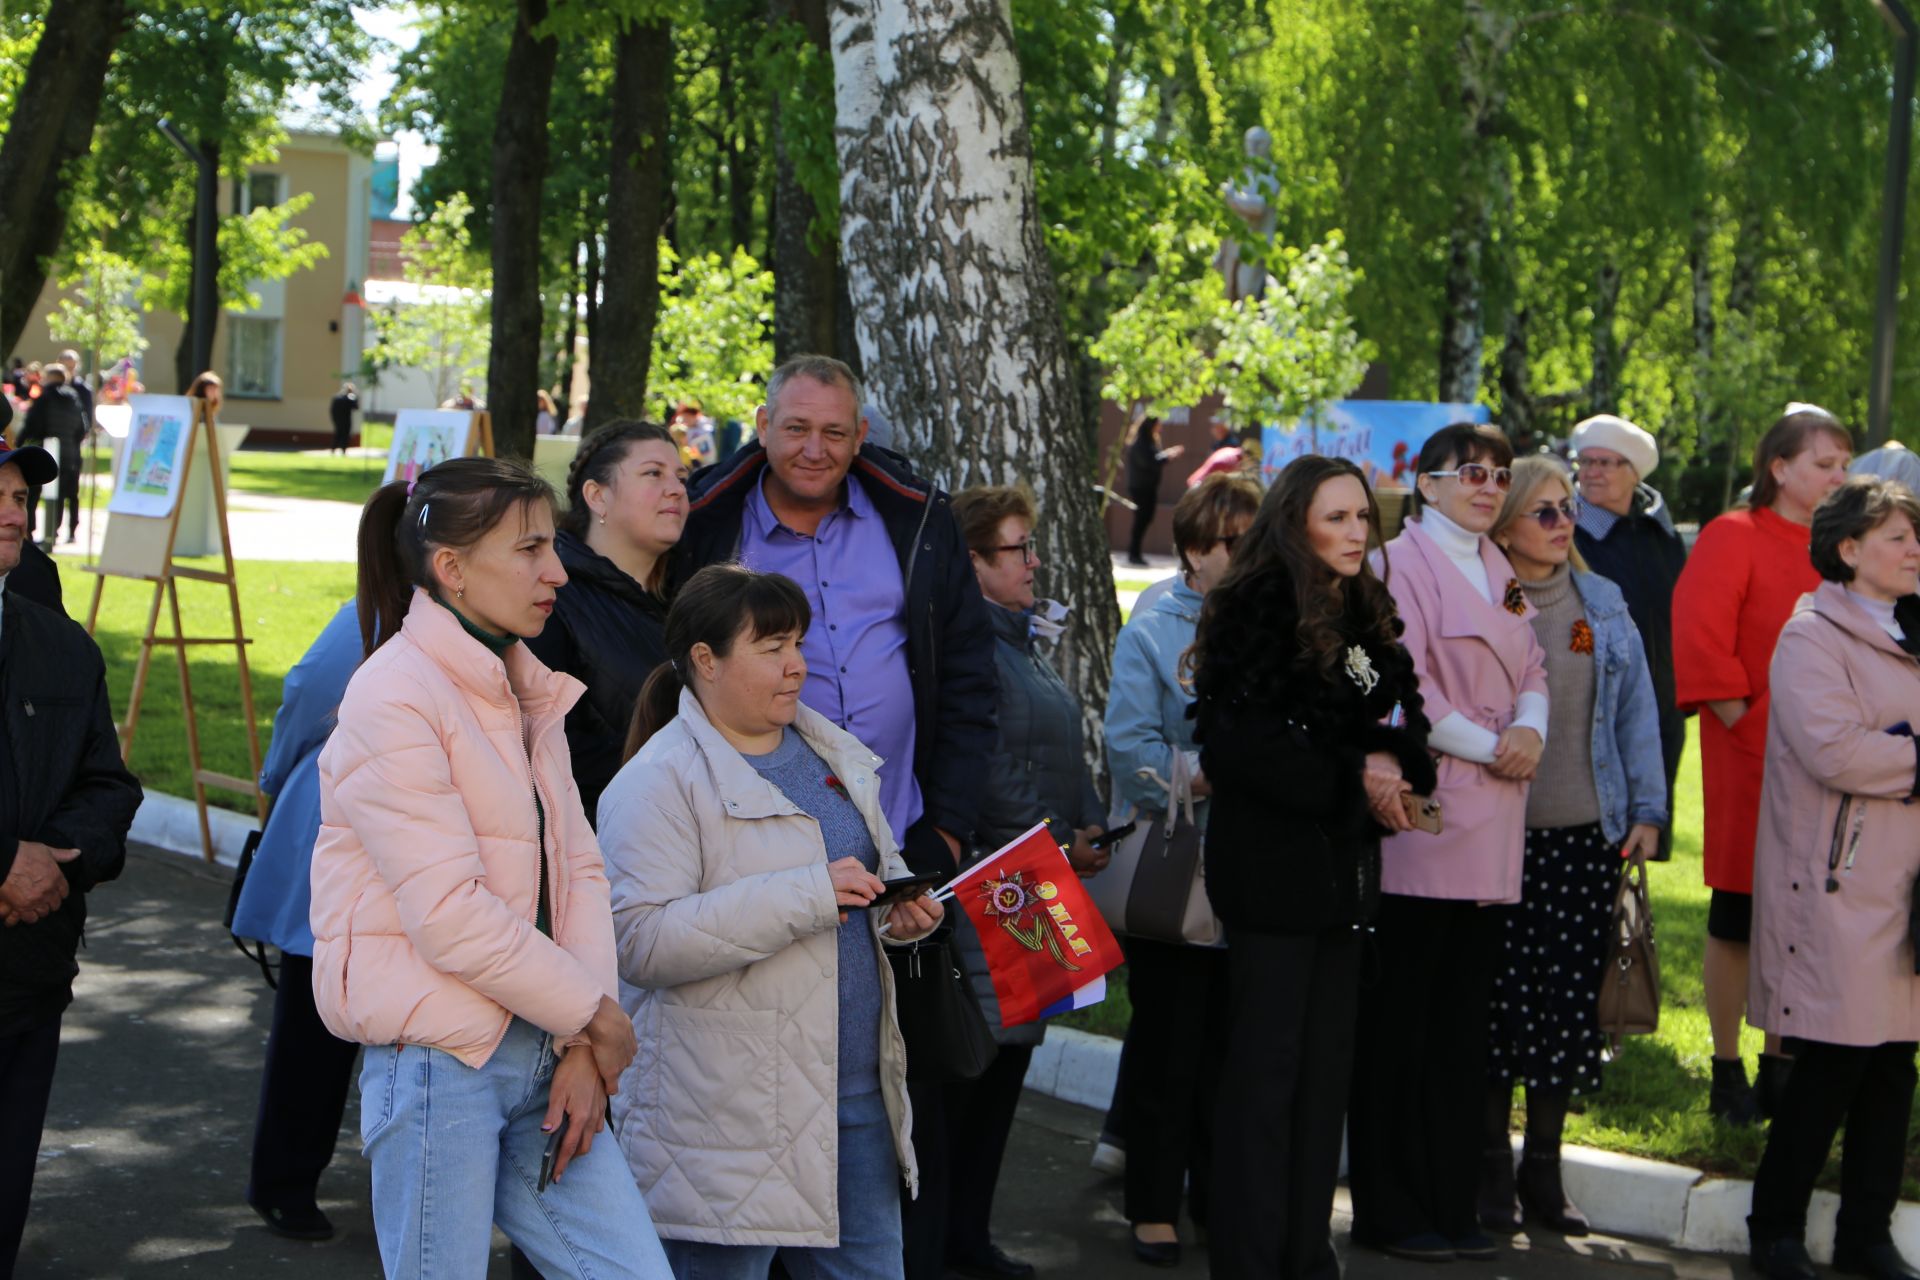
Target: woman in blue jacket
(1597, 797)
(303, 1090)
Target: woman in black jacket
(1310, 727)
(626, 507)
(1145, 461)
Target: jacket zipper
(539, 821)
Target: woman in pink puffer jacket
(460, 909)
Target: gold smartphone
(1422, 811)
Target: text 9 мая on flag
(1041, 933)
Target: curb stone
(1622, 1195)
(173, 823)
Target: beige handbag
(1155, 885)
(1630, 987)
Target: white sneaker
(1109, 1159)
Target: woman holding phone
(767, 1110)
(1313, 736)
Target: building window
(263, 190)
(253, 356)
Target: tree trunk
(1516, 381)
(52, 123)
(1700, 259)
(569, 337)
(737, 147)
(636, 203)
(803, 273)
(1603, 386)
(590, 292)
(1482, 183)
(183, 366)
(519, 172)
(952, 292)
(1743, 287)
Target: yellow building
(282, 361)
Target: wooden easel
(141, 548)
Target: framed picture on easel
(152, 462)
(426, 437)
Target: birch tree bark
(953, 298)
(1480, 188)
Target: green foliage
(97, 316)
(713, 342)
(446, 331)
(256, 247)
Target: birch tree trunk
(51, 124)
(519, 171)
(1603, 386)
(636, 202)
(954, 305)
(1482, 186)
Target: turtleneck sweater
(1454, 734)
(1563, 793)
(1881, 611)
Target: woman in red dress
(1739, 586)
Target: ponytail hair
(454, 504)
(599, 458)
(713, 608)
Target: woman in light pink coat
(1834, 868)
(1420, 1073)
(460, 913)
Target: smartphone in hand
(552, 1152)
(905, 889)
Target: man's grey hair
(822, 369)
(1890, 462)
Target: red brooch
(838, 787)
(1582, 637)
(1516, 601)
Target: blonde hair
(1529, 473)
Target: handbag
(946, 1033)
(1630, 986)
(257, 952)
(1155, 885)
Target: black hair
(1854, 510)
(713, 608)
(454, 504)
(1456, 445)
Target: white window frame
(279, 356)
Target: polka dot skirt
(1546, 989)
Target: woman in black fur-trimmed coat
(1310, 729)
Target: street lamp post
(1893, 216)
(205, 216)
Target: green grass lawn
(287, 474)
(285, 604)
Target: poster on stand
(147, 481)
(425, 437)
(1382, 437)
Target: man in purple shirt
(900, 652)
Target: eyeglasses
(1475, 474)
(1602, 465)
(1227, 540)
(1028, 555)
(1550, 517)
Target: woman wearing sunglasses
(1420, 1061)
(1600, 794)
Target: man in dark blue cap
(66, 802)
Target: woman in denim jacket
(1598, 797)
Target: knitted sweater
(1563, 794)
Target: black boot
(1542, 1194)
(1731, 1097)
(1782, 1260)
(1770, 1084)
(1497, 1207)
(1880, 1261)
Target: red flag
(1042, 935)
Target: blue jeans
(869, 1188)
(456, 1150)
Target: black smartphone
(905, 888)
(552, 1152)
(1108, 838)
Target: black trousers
(923, 1221)
(342, 431)
(1420, 1071)
(26, 1082)
(1146, 504)
(979, 1122)
(1170, 1076)
(303, 1094)
(1871, 1089)
(1283, 1093)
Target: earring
(460, 593)
(603, 519)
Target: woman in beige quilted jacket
(767, 1109)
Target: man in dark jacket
(57, 415)
(66, 802)
(1626, 533)
(900, 653)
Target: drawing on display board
(148, 483)
(426, 437)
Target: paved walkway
(146, 1148)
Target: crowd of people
(587, 808)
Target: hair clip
(424, 507)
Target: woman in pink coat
(1420, 1072)
(460, 913)
(1834, 867)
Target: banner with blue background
(1382, 436)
